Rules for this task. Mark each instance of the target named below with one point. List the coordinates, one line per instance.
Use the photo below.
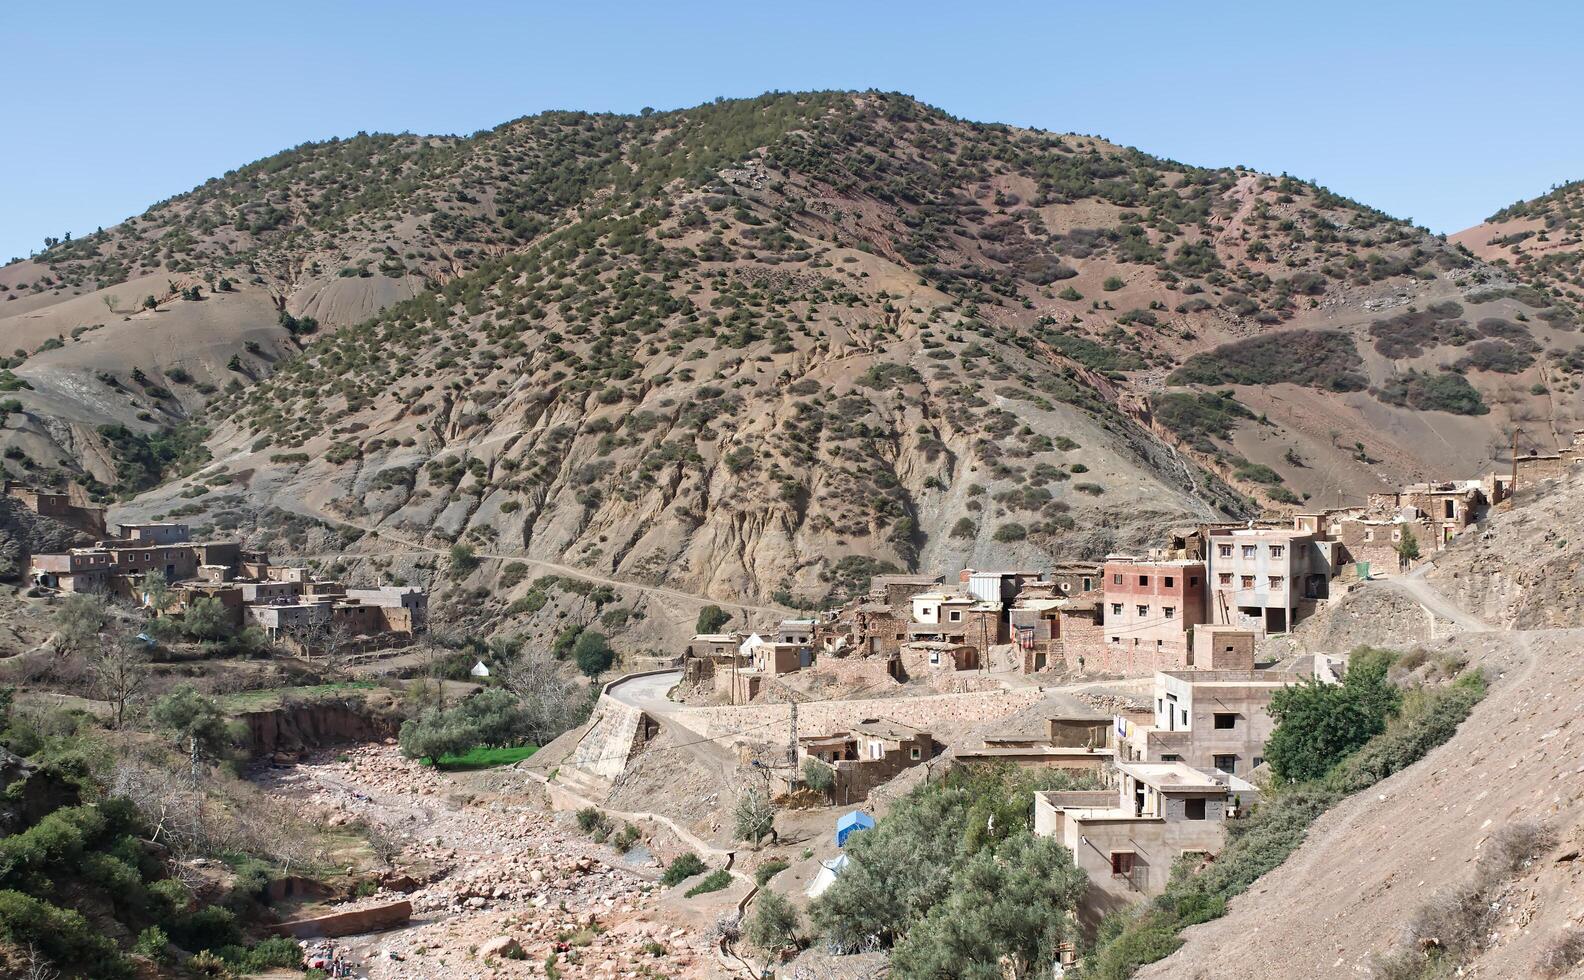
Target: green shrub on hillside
(1323, 359)
(1445, 392)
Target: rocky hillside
(762, 348)
(1540, 240)
(1469, 859)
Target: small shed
(479, 670)
(856, 820)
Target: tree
(1317, 724)
(1004, 916)
(551, 701)
(774, 923)
(1407, 548)
(197, 722)
(207, 619)
(491, 717)
(711, 619)
(754, 816)
(156, 592)
(592, 653)
(80, 620)
(463, 560)
(120, 675)
(818, 776)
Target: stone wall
(822, 717)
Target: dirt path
(1417, 588)
(418, 548)
(487, 859)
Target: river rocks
(481, 868)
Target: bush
(1009, 532)
(463, 561)
(1448, 392)
(1325, 359)
(684, 867)
(1196, 417)
(818, 776)
(1112, 284)
(63, 936)
(492, 717)
(592, 653)
(1317, 724)
(711, 619)
(768, 870)
(713, 882)
(774, 923)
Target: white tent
(827, 875)
(479, 670)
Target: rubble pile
(496, 885)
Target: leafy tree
(463, 560)
(1005, 913)
(207, 619)
(774, 923)
(1407, 548)
(817, 776)
(491, 717)
(592, 653)
(156, 592)
(711, 619)
(80, 620)
(196, 721)
(1317, 724)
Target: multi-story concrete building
(1127, 839)
(1266, 579)
(1151, 608)
(1209, 719)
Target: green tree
(818, 776)
(197, 723)
(80, 620)
(463, 560)
(492, 717)
(156, 592)
(774, 923)
(1004, 915)
(711, 619)
(207, 619)
(592, 653)
(1317, 725)
(1407, 548)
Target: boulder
(501, 948)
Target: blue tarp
(856, 820)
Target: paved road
(648, 693)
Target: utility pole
(1513, 485)
(792, 740)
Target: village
(1146, 677)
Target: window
(915, 753)
(1226, 578)
(1226, 763)
(1194, 809)
(1066, 586)
(1122, 862)
(955, 615)
(1276, 581)
(1171, 757)
(1170, 611)
(1224, 551)
(1143, 580)
(1248, 581)
(1225, 719)
(1369, 535)
(1116, 639)
(1396, 535)
(1259, 760)
(1116, 608)
(1169, 581)
(1193, 580)
(1277, 550)
(1116, 579)
(1088, 583)
(1248, 551)
(1143, 610)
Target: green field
(484, 757)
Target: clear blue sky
(1441, 112)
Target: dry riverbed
(480, 857)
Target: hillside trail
(1419, 589)
(304, 509)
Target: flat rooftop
(1170, 776)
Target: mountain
(1541, 241)
(759, 349)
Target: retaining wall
(821, 717)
